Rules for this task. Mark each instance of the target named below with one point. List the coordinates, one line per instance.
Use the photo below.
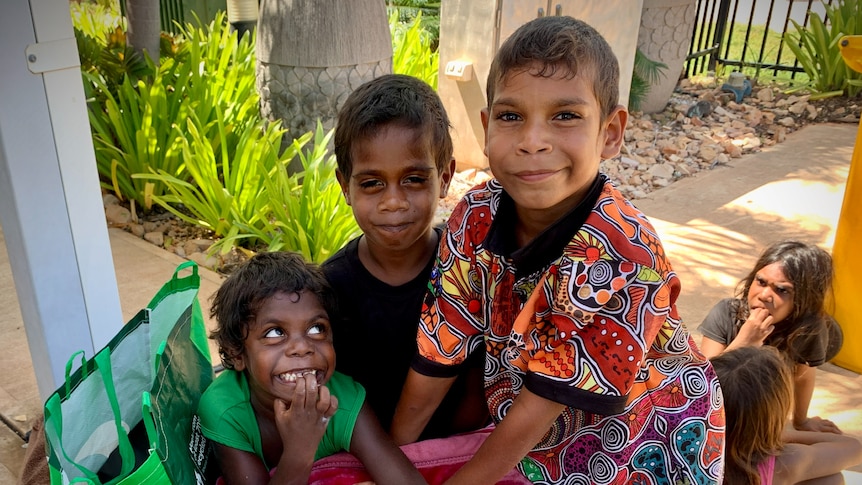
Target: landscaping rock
(155, 237)
(117, 215)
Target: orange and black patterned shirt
(584, 315)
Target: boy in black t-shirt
(394, 154)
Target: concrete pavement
(713, 226)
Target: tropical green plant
(816, 48)
(646, 73)
(96, 20)
(428, 10)
(306, 211)
(249, 199)
(412, 52)
(187, 135)
(134, 132)
(223, 185)
(110, 60)
(138, 129)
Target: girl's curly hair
(238, 299)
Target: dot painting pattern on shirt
(595, 329)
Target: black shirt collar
(549, 244)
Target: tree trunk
(311, 54)
(143, 29)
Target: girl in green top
(281, 405)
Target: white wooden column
(50, 203)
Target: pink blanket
(436, 459)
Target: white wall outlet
(461, 71)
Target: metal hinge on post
(53, 55)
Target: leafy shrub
(251, 200)
(647, 72)
(412, 52)
(222, 189)
(134, 132)
(139, 126)
(429, 10)
(187, 135)
(306, 211)
(96, 20)
(816, 48)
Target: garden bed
(659, 149)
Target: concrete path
(713, 226)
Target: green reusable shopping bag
(127, 415)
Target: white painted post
(50, 202)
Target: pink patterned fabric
(766, 469)
(436, 459)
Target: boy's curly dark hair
(552, 45)
(240, 296)
(392, 99)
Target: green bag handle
(69, 363)
(186, 264)
(149, 424)
(103, 362)
(177, 283)
(56, 414)
(103, 365)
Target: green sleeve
(339, 431)
(227, 416)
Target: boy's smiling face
(394, 188)
(289, 340)
(545, 137)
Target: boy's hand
(307, 416)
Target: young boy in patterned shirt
(590, 376)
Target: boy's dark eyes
(568, 116)
(370, 184)
(409, 180)
(564, 116)
(416, 179)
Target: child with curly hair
(280, 405)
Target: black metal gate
(719, 21)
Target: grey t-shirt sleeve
(719, 323)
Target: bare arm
(809, 455)
(385, 462)
(710, 348)
(241, 466)
(419, 399)
(525, 424)
(803, 389)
